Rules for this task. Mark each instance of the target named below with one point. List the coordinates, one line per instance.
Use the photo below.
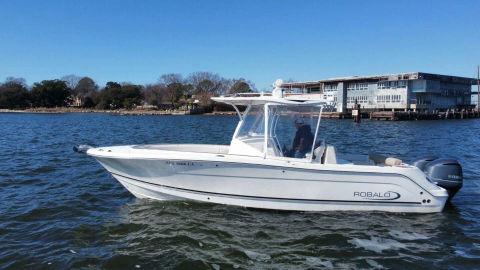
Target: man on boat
(302, 143)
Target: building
(403, 91)
(77, 101)
(475, 97)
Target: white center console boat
(259, 170)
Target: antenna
(277, 91)
(478, 88)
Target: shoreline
(380, 115)
(60, 110)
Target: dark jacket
(304, 132)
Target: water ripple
(61, 210)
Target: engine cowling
(444, 172)
(421, 163)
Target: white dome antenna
(278, 83)
(277, 90)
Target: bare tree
(196, 78)
(170, 78)
(155, 94)
(207, 82)
(19, 81)
(241, 86)
(175, 90)
(71, 80)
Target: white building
(404, 91)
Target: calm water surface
(60, 210)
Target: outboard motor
(81, 148)
(444, 172)
(423, 161)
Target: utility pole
(478, 88)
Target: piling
(356, 114)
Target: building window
(330, 87)
(357, 86)
(396, 98)
(359, 99)
(388, 98)
(392, 84)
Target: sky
(260, 40)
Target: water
(60, 209)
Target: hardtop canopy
(261, 99)
(267, 123)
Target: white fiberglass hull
(269, 184)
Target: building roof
(387, 77)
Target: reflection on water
(62, 210)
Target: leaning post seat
(391, 161)
(383, 160)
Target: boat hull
(273, 186)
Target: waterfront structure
(77, 101)
(475, 98)
(403, 91)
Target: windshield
(253, 123)
(292, 129)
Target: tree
(207, 84)
(14, 94)
(131, 95)
(108, 98)
(85, 87)
(50, 93)
(71, 80)
(85, 92)
(115, 96)
(170, 78)
(154, 94)
(90, 101)
(240, 86)
(174, 87)
(110, 85)
(174, 92)
(19, 81)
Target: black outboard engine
(81, 148)
(444, 172)
(424, 161)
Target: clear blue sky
(137, 41)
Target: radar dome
(277, 89)
(278, 83)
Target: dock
(412, 115)
(391, 115)
(406, 115)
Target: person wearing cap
(302, 143)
